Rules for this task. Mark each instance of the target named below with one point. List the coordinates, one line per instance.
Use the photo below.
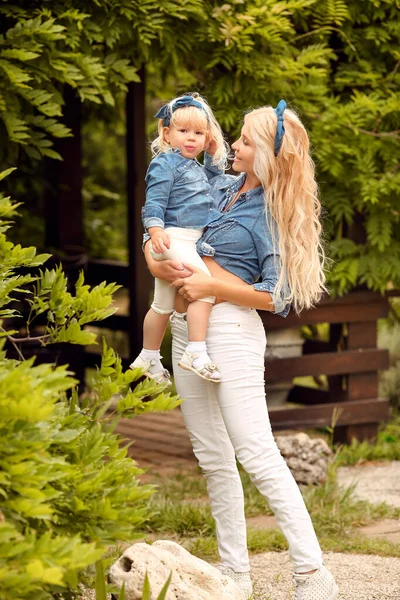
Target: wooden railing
(350, 360)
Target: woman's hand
(198, 285)
(169, 270)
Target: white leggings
(230, 419)
(183, 248)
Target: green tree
(67, 487)
(335, 61)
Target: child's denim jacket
(178, 193)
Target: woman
(263, 252)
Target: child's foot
(200, 363)
(153, 368)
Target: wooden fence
(350, 360)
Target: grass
(385, 447)
(182, 513)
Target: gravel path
(359, 577)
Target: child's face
(187, 138)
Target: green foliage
(335, 62)
(94, 47)
(386, 446)
(67, 486)
(101, 588)
(146, 595)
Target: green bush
(67, 487)
(385, 447)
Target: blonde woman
(263, 252)
(177, 209)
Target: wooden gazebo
(350, 359)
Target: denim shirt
(178, 192)
(241, 241)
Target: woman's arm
(199, 285)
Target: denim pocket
(217, 230)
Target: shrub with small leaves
(67, 486)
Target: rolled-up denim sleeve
(159, 180)
(270, 266)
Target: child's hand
(159, 240)
(210, 146)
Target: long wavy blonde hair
(291, 198)
(204, 120)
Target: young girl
(177, 209)
(264, 252)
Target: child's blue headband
(166, 111)
(280, 127)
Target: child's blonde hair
(291, 198)
(202, 119)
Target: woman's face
(244, 149)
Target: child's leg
(198, 313)
(154, 326)
(196, 357)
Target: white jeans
(182, 248)
(231, 419)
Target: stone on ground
(192, 578)
(307, 458)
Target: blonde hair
(204, 120)
(291, 199)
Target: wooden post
(64, 212)
(63, 202)
(140, 281)
(361, 336)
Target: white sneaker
(242, 580)
(317, 586)
(162, 376)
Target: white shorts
(182, 248)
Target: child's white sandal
(162, 376)
(209, 371)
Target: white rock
(307, 458)
(192, 578)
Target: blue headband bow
(280, 127)
(166, 111)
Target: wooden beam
(64, 211)
(347, 413)
(63, 196)
(140, 280)
(99, 270)
(329, 363)
(329, 313)
(361, 335)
